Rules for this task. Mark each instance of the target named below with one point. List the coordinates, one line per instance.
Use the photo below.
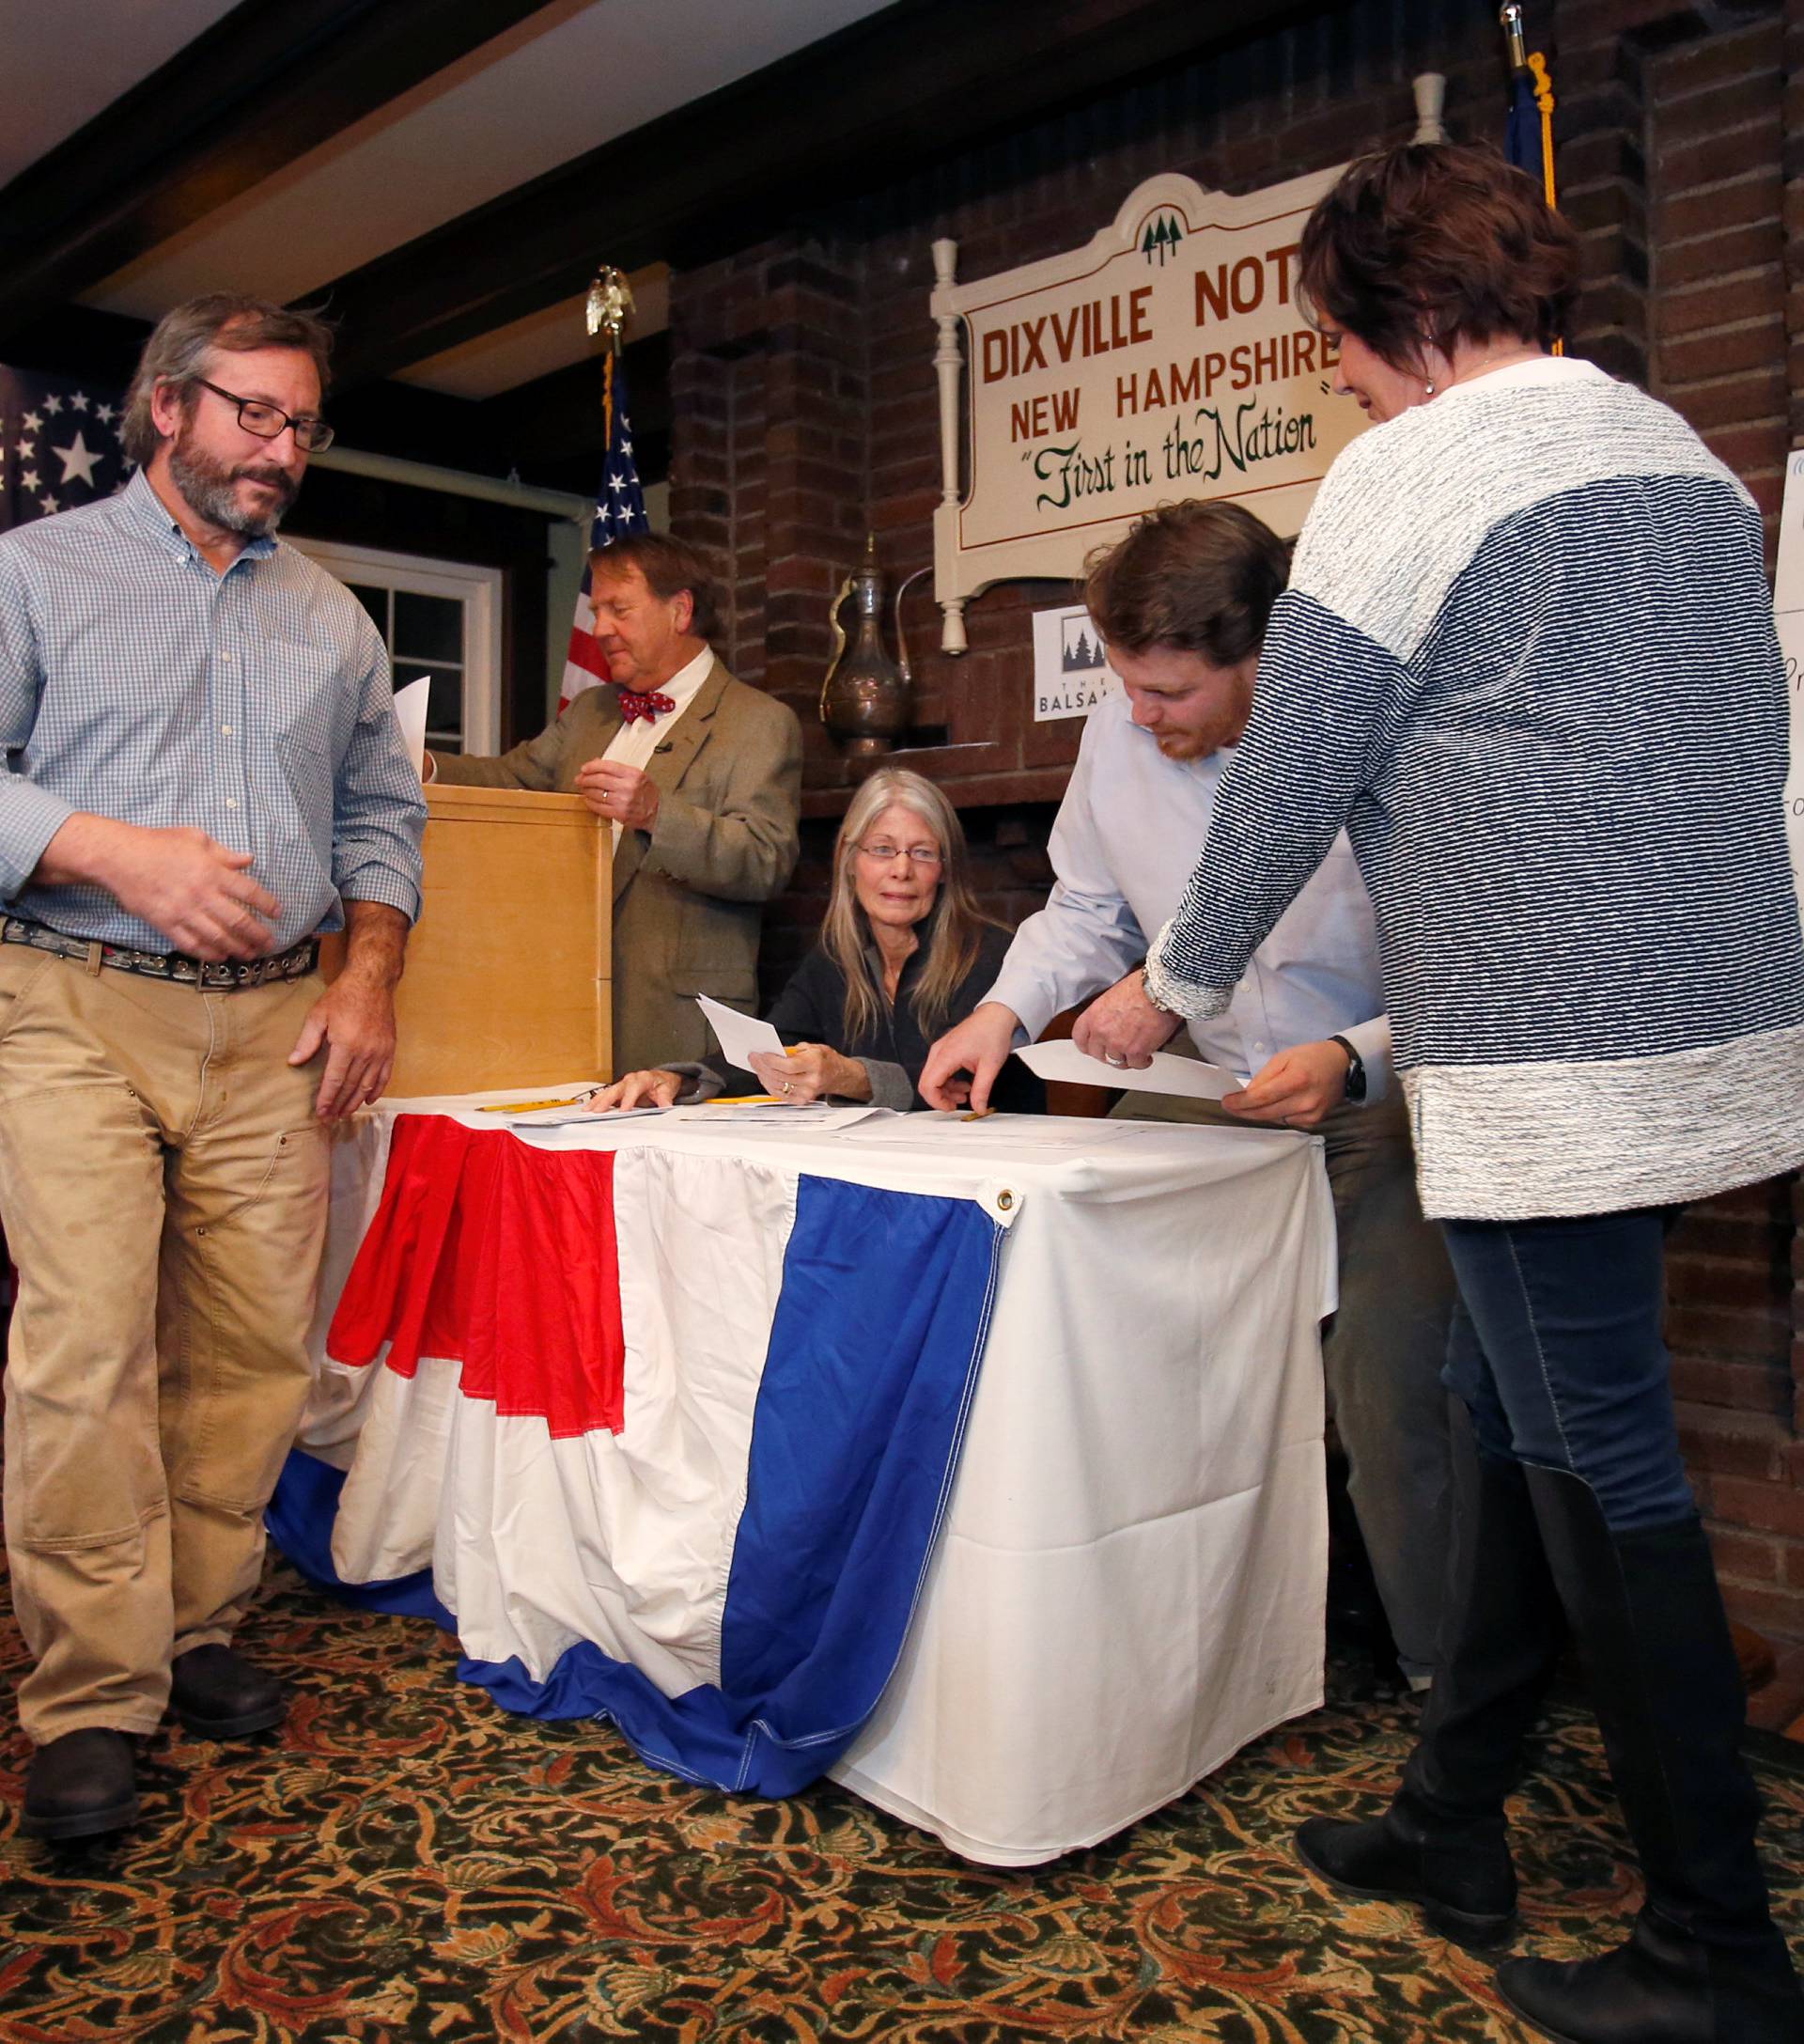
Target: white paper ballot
(812, 1117)
(577, 1117)
(1185, 1076)
(957, 1130)
(739, 1034)
(410, 713)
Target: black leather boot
(1441, 1844)
(1705, 1964)
(1660, 1988)
(218, 1694)
(80, 1786)
(1459, 1875)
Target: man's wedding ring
(1108, 1058)
(784, 1087)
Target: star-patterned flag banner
(60, 445)
(620, 509)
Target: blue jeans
(1557, 1350)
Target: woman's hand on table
(811, 1072)
(1297, 1088)
(637, 1089)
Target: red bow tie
(650, 705)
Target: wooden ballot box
(509, 979)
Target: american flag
(620, 509)
(60, 445)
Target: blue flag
(1528, 127)
(1522, 127)
(60, 445)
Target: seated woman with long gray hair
(904, 952)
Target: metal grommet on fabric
(1005, 1200)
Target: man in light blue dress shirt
(1182, 604)
(205, 772)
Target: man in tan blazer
(700, 776)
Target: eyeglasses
(919, 854)
(269, 422)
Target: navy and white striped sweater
(1527, 660)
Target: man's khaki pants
(163, 1186)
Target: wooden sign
(1169, 359)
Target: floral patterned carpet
(401, 1860)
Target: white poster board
(1167, 359)
(1071, 672)
(1788, 614)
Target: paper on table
(814, 1118)
(567, 1118)
(1185, 1076)
(739, 1034)
(410, 713)
(957, 1130)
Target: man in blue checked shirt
(206, 771)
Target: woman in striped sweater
(1526, 660)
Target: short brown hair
(669, 567)
(179, 347)
(1199, 577)
(1436, 244)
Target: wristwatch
(1354, 1073)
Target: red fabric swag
(500, 1257)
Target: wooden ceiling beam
(914, 83)
(547, 430)
(260, 88)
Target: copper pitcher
(864, 699)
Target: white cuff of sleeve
(1178, 996)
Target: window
(440, 620)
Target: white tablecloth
(1131, 1582)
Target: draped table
(976, 1463)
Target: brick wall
(807, 411)
(1712, 110)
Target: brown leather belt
(224, 975)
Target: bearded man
(207, 773)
